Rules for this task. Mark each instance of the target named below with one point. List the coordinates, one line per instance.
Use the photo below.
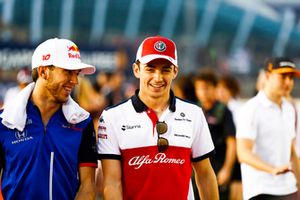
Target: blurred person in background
(101, 84)
(266, 137)
(23, 79)
(150, 143)
(221, 126)
(292, 100)
(115, 93)
(89, 99)
(110, 83)
(183, 87)
(260, 81)
(47, 140)
(228, 92)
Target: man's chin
(63, 100)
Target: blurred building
(233, 36)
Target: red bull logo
(73, 48)
(73, 52)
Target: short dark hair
(207, 75)
(34, 74)
(231, 83)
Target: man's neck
(159, 105)
(273, 97)
(47, 107)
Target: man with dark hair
(221, 126)
(149, 143)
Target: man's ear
(175, 72)
(43, 72)
(136, 70)
(267, 75)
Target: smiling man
(150, 143)
(47, 141)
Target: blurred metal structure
(218, 27)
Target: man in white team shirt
(266, 137)
(150, 143)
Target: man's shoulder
(187, 107)
(253, 101)
(119, 106)
(186, 103)
(251, 106)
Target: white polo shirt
(127, 132)
(272, 129)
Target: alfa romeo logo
(160, 46)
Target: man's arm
(230, 156)
(87, 189)
(295, 163)
(246, 155)
(206, 180)
(87, 159)
(112, 182)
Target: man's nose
(74, 78)
(158, 75)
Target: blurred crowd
(218, 95)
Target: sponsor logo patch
(128, 127)
(21, 136)
(160, 158)
(73, 52)
(72, 126)
(102, 136)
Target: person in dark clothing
(221, 126)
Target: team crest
(160, 46)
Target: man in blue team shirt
(47, 141)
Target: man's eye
(149, 69)
(167, 70)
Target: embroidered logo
(127, 127)
(102, 132)
(21, 136)
(183, 118)
(73, 52)
(101, 120)
(72, 126)
(29, 121)
(102, 136)
(160, 46)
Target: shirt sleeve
(108, 144)
(87, 155)
(202, 146)
(246, 124)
